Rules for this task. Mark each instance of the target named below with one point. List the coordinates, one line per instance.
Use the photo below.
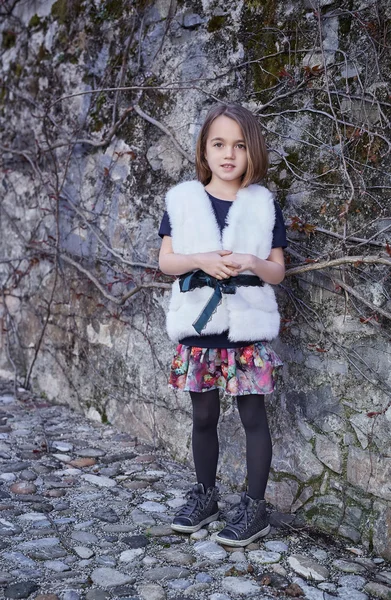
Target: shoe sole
(240, 543)
(193, 528)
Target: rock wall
(85, 167)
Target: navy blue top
(221, 208)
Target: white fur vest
(251, 314)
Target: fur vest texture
(251, 314)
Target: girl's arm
(175, 264)
(271, 270)
(218, 264)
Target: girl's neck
(224, 190)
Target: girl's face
(226, 151)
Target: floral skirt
(238, 371)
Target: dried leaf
(308, 228)
(296, 223)
(315, 71)
(366, 319)
(284, 73)
(294, 590)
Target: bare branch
(336, 262)
(168, 87)
(360, 241)
(99, 286)
(26, 155)
(166, 131)
(354, 293)
(16, 259)
(102, 241)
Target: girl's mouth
(228, 167)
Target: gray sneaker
(249, 522)
(200, 509)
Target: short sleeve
(165, 226)
(279, 231)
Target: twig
(126, 88)
(106, 140)
(101, 240)
(166, 131)
(25, 155)
(353, 292)
(94, 280)
(8, 344)
(323, 113)
(336, 262)
(16, 259)
(122, 72)
(360, 241)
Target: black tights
(205, 443)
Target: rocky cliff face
(101, 103)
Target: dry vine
(348, 176)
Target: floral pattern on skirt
(238, 371)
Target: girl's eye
(220, 144)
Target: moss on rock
(216, 23)
(9, 39)
(35, 21)
(66, 11)
(111, 10)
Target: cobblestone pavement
(85, 512)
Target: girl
(223, 235)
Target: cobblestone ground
(85, 512)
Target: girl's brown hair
(257, 156)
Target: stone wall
(83, 184)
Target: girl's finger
(232, 264)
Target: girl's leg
(201, 507)
(205, 444)
(252, 412)
(250, 520)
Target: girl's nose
(229, 153)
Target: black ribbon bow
(197, 279)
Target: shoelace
(241, 516)
(195, 502)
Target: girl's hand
(219, 264)
(246, 261)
